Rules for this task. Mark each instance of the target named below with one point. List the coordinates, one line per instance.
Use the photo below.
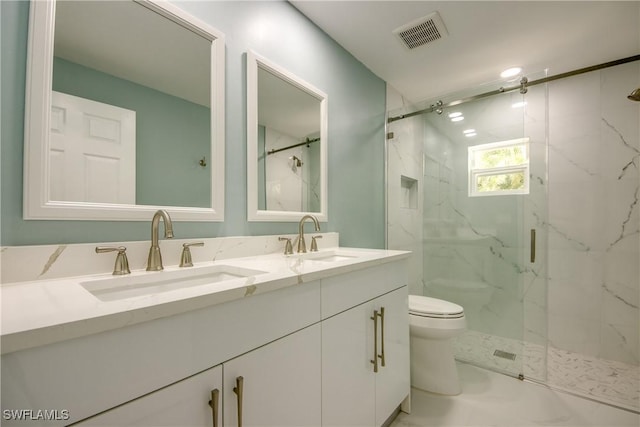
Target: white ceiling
(484, 39)
(134, 43)
(286, 107)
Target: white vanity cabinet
(355, 390)
(302, 352)
(274, 385)
(90, 375)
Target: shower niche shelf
(409, 192)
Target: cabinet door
(348, 381)
(280, 383)
(184, 404)
(393, 380)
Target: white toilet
(432, 324)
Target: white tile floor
(491, 399)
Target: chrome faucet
(154, 263)
(302, 247)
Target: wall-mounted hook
(203, 162)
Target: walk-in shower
(520, 203)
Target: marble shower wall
(594, 240)
(584, 206)
(290, 187)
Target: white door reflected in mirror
(92, 149)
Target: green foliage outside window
(506, 181)
(495, 159)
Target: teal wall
(172, 134)
(277, 31)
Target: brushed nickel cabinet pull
(375, 340)
(214, 403)
(238, 391)
(533, 245)
(381, 356)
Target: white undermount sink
(328, 256)
(122, 287)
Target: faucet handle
(122, 263)
(288, 247)
(314, 244)
(185, 258)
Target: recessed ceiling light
(457, 119)
(519, 104)
(469, 131)
(455, 114)
(510, 72)
(470, 134)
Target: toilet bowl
(432, 325)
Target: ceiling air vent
(422, 31)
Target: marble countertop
(41, 312)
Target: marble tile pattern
(594, 215)
(609, 381)
(478, 348)
(492, 399)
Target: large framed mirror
(124, 112)
(286, 144)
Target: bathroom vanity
(309, 339)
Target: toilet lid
(432, 307)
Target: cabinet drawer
(185, 403)
(342, 292)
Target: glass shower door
(483, 217)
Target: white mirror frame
(37, 204)
(253, 213)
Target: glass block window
(499, 168)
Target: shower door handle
(533, 246)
